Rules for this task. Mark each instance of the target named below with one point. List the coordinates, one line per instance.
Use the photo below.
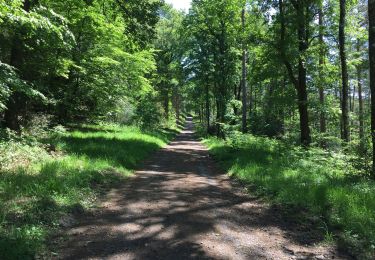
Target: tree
(371, 15)
(344, 74)
(76, 60)
(168, 46)
(299, 82)
(17, 99)
(214, 27)
(36, 46)
(140, 17)
(322, 121)
(360, 104)
(244, 76)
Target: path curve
(180, 206)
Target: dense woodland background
(297, 72)
(307, 66)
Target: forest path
(180, 206)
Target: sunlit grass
(34, 197)
(316, 180)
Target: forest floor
(179, 205)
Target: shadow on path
(180, 206)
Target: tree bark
(371, 15)
(322, 121)
(208, 106)
(352, 107)
(244, 77)
(300, 82)
(344, 74)
(166, 104)
(360, 108)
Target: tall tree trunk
(166, 104)
(353, 99)
(208, 106)
(244, 77)
(176, 99)
(300, 82)
(235, 91)
(371, 15)
(360, 108)
(251, 97)
(322, 121)
(302, 73)
(344, 74)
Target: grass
(37, 192)
(319, 182)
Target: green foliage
(7, 77)
(323, 182)
(76, 55)
(212, 51)
(148, 112)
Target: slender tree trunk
(244, 78)
(344, 74)
(360, 108)
(371, 15)
(322, 121)
(166, 104)
(178, 106)
(302, 87)
(302, 108)
(208, 106)
(300, 82)
(236, 90)
(237, 96)
(353, 99)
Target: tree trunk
(360, 108)
(27, 5)
(300, 83)
(208, 106)
(166, 104)
(322, 121)
(178, 106)
(302, 106)
(371, 15)
(244, 78)
(353, 100)
(251, 100)
(344, 74)
(237, 96)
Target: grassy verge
(42, 185)
(323, 183)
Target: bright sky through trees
(180, 4)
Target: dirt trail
(180, 206)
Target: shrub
(325, 182)
(148, 112)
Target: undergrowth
(322, 182)
(44, 181)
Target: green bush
(324, 182)
(148, 112)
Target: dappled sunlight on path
(180, 206)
